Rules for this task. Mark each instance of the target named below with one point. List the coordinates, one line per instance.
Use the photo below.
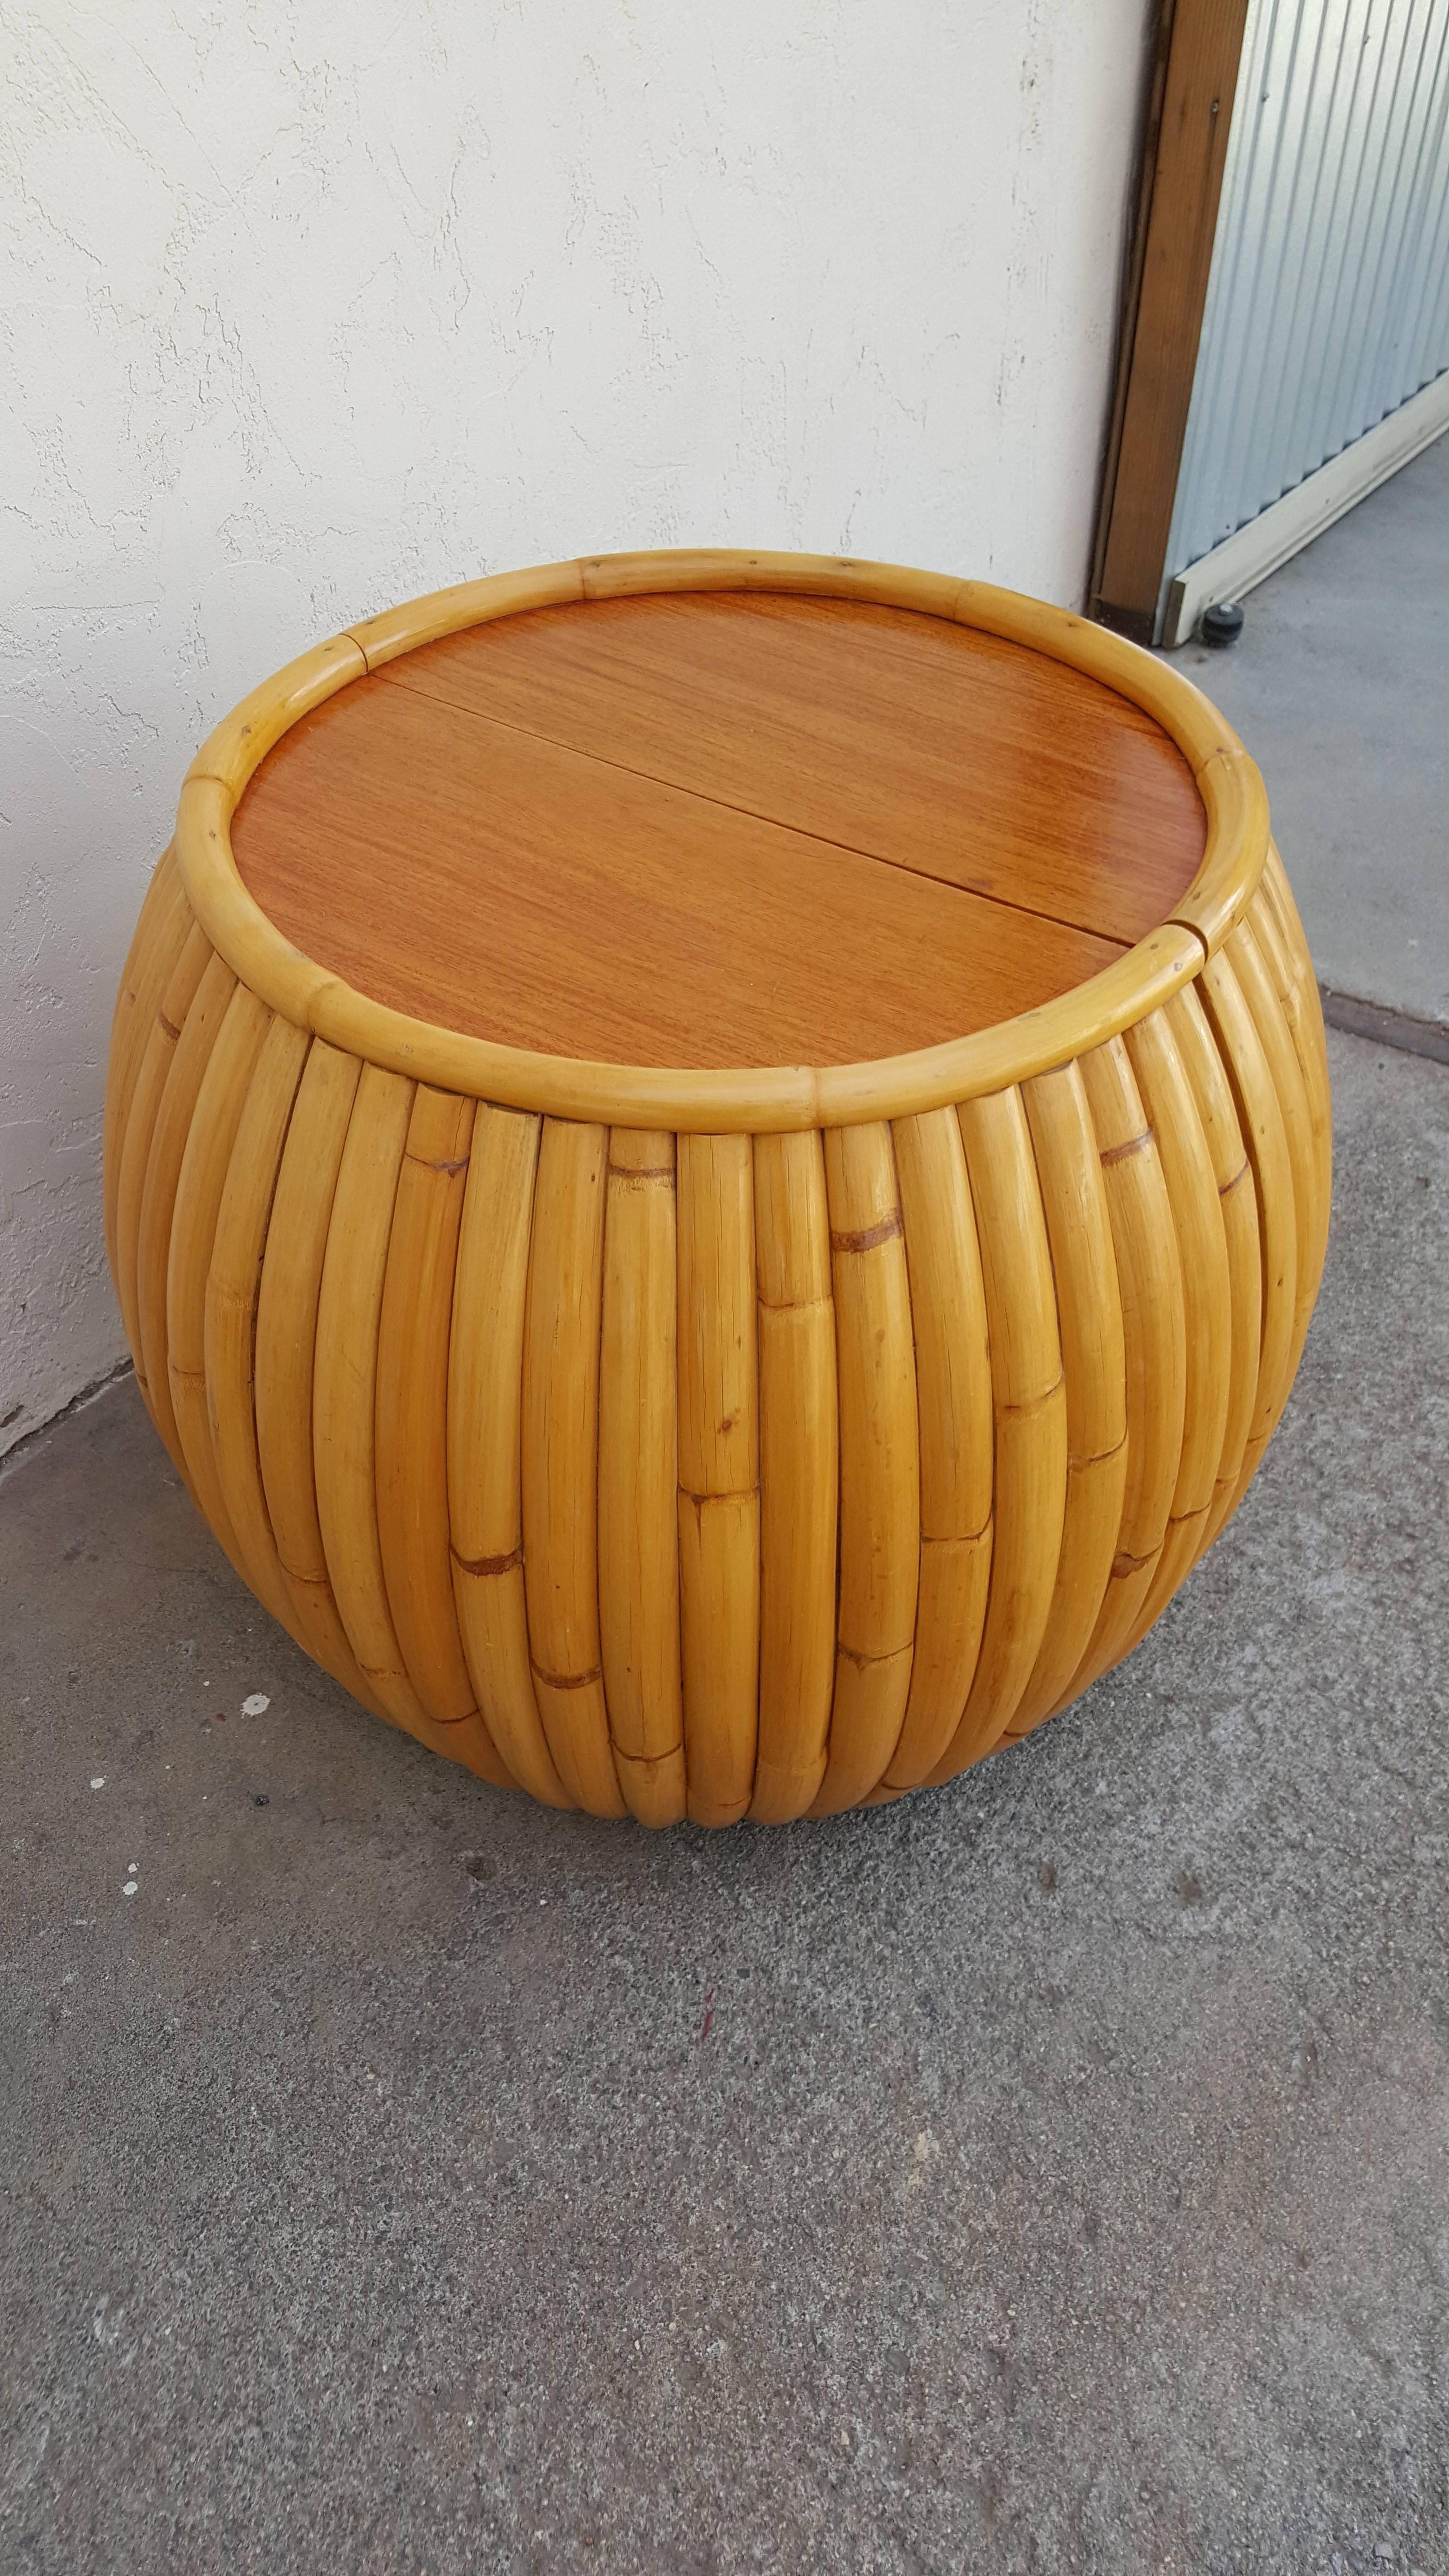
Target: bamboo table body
(721, 1441)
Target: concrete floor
(1339, 685)
(1050, 2174)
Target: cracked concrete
(1048, 2173)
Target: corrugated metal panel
(1328, 301)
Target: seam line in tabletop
(1114, 951)
(377, 840)
(395, 673)
(773, 1099)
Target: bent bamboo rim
(701, 1100)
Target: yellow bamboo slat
(799, 1473)
(161, 933)
(639, 1567)
(880, 1467)
(411, 1426)
(719, 1474)
(1260, 1118)
(185, 1073)
(1192, 1191)
(1149, 1277)
(410, 1415)
(628, 576)
(1094, 1365)
(200, 1185)
(344, 1389)
(465, 603)
(1309, 1196)
(1290, 972)
(1298, 986)
(1233, 793)
(164, 898)
(1029, 1404)
(563, 1320)
(285, 1352)
(957, 1435)
(238, 745)
(1233, 1175)
(1274, 884)
(167, 1021)
(233, 1285)
(163, 881)
(485, 1407)
(1276, 893)
(719, 1567)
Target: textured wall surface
(307, 310)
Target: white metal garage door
(1328, 301)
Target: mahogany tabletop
(720, 828)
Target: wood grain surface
(714, 829)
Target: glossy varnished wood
(720, 829)
(941, 749)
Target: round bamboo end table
(716, 1167)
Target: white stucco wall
(306, 309)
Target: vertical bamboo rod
(1290, 974)
(411, 1425)
(161, 934)
(1238, 1203)
(1197, 1217)
(285, 1353)
(799, 1473)
(410, 1416)
(560, 1459)
(719, 1474)
(1149, 1275)
(1274, 884)
(1300, 990)
(200, 1184)
(1311, 1218)
(167, 1022)
(233, 1286)
(639, 1566)
(189, 1061)
(1029, 1403)
(485, 1405)
(1094, 1365)
(880, 1468)
(957, 1430)
(1273, 921)
(344, 1388)
(1260, 1119)
(162, 887)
